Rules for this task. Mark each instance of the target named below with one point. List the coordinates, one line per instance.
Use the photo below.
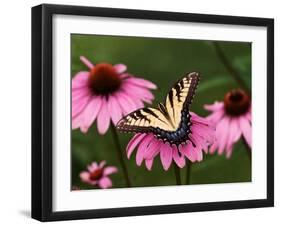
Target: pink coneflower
(233, 120)
(97, 174)
(106, 93)
(201, 135)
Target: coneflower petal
(166, 155)
(134, 142)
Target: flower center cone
(96, 175)
(104, 79)
(236, 102)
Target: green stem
(120, 154)
(188, 171)
(177, 174)
(232, 71)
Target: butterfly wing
(143, 121)
(168, 116)
(180, 96)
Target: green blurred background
(162, 61)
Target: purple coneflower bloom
(106, 92)
(148, 146)
(98, 174)
(233, 120)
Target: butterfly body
(170, 122)
(180, 135)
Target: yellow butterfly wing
(180, 96)
(143, 120)
(167, 117)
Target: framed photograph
(147, 112)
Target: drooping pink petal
(199, 154)
(126, 102)
(234, 132)
(124, 75)
(153, 149)
(92, 167)
(141, 82)
(238, 133)
(199, 141)
(85, 61)
(203, 122)
(206, 133)
(78, 94)
(145, 98)
(214, 107)
(77, 121)
(85, 176)
(135, 103)
(79, 106)
(129, 100)
(229, 151)
(188, 151)
(137, 91)
(105, 182)
(80, 80)
(138, 101)
(222, 134)
(246, 130)
(90, 112)
(142, 148)
(149, 163)
(197, 119)
(120, 68)
(214, 147)
(134, 143)
(216, 116)
(103, 118)
(166, 155)
(109, 170)
(227, 134)
(114, 109)
(220, 130)
(179, 160)
(102, 164)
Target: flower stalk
(188, 171)
(177, 174)
(120, 154)
(232, 71)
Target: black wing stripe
(141, 116)
(133, 116)
(171, 98)
(182, 83)
(150, 112)
(178, 90)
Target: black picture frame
(42, 111)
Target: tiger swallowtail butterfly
(169, 122)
